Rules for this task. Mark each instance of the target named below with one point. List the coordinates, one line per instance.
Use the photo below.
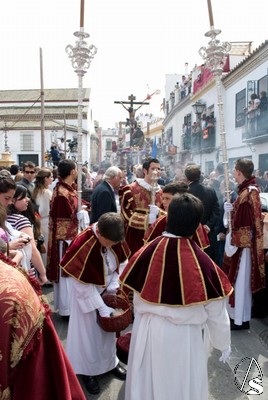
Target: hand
(207, 228)
(112, 288)
(83, 219)
(105, 311)
(228, 207)
(16, 255)
(31, 272)
(18, 243)
(80, 215)
(222, 236)
(42, 279)
(225, 355)
(153, 209)
(151, 218)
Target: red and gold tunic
(83, 260)
(134, 202)
(159, 226)
(63, 224)
(176, 272)
(247, 232)
(33, 364)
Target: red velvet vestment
(83, 260)
(176, 272)
(63, 225)
(134, 203)
(247, 232)
(159, 226)
(33, 363)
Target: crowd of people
(189, 249)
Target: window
(187, 124)
(108, 145)
(27, 141)
(168, 135)
(263, 84)
(240, 104)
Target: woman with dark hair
(7, 191)
(20, 222)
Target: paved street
(245, 346)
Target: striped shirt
(19, 221)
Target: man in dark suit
(210, 202)
(28, 170)
(103, 196)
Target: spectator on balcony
(263, 102)
(263, 109)
(183, 86)
(253, 109)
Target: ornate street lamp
(81, 55)
(215, 56)
(199, 107)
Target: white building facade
(20, 123)
(196, 137)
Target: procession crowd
(188, 252)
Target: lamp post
(199, 108)
(215, 55)
(81, 55)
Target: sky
(138, 43)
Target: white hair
(111, 173)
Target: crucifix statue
(136, 134)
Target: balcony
(255, 129)
(198, 140)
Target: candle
(210, 14)
(82, 14)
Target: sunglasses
(29, 172)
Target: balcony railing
(256, 129)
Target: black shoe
(91, 384)
(65, 317)
(120, 372)
(234, 327)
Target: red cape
(175, 271)
(83, 260)
(159, 226)
(33, 362)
